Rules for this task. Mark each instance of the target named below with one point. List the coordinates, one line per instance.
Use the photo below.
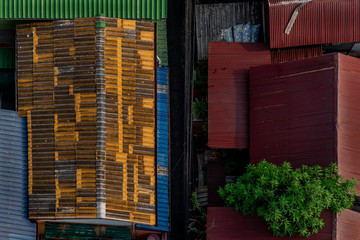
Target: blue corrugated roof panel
(14, 223)
(162, 153)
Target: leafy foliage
(290, 200)
(201, 79)
(197, 224)
(201, 108)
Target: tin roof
(306, 111)
(14, 222)
(295, 53)
(317, 22)
(229, 65)
(70, 9)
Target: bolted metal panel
(87, 88)
(162, 153)
(317, 22)
(296, 53)
(14, 222)
(85, 231)
(228, 92)
(211, 18)
(305, 112)
(70, 9)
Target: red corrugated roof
(306, 112)
(318, 22)
(227, 224)
(229, 65)
(291, 54)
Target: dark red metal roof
(318, 22)
(229, 65)
(307, 112)
(296, 53)
(227, 224)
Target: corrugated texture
(318, 22)
(7, 58)
(348, 223)
(14, 222)
(215, 179)
(91, 140)
(211, 18)
(291, 54)
(226, 224)
(228, 92)
(162, 153)
(306, 112)
(85, 231)
(161, 42)
(69, 9)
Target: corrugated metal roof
(347, 225)
(211, 18)
(85, 231)
(7, 58)
(162, 153)
(228, 92)
(306, 112)
(14, 222)
(226, 223)
(98, 131)
(161, 42)
(291, 54)
(318, 22)
(70, 9)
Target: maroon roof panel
(317, 22)
(295, 53)
(226, 224)
(307, 112)
(215, 179)
(229, 65)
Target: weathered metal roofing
(7, 58)
(306, 112)
(347, 225)
(228, 92)
(161, 42)
(85, 231)
(87, 89)
(211, 18)
(162, 153)
(70, 9)
(14, 222)
(317, 22)
(226, 223)
(296, 53)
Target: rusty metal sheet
(87, 88)
(227, 224)
(229, 64)
(296, 53)
(317, 22)
(305, 112)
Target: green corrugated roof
(85, 231)
(7, 58)
(69, 9)
(161, 42)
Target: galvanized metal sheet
(305, 112)
(85, 231)
(226, 223)
(318, 22)
(14, 222)
(87, 88)
(162, 153)
(211, 18)
(229, 65)
(70, 9)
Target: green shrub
(290, 201)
